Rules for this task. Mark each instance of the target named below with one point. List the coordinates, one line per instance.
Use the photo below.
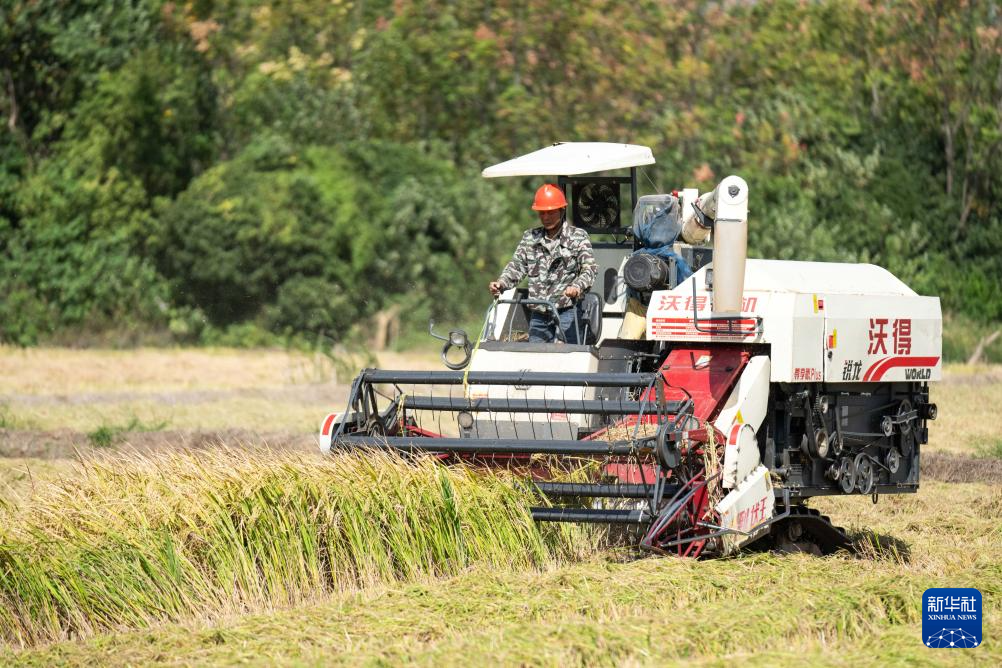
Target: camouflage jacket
(552, 264)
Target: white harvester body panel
(741, 455)
(611, 286)
(740, 419)
(895, 339)
(537, 426)
(823, 321)
(496, 326)
(327, 428)
(746, 508)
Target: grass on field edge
(135, 540)
(645, 612)
(539, 607)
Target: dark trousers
(543, 327)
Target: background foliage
(294, 167)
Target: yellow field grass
(259, 390)
(277, 390)
(757, 609)
(259, 414)
(970, 411)
(64, 371)
(19, 475)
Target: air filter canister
(646, 272)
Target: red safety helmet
(548, 198)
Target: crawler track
(807, 530)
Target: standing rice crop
(136, 540)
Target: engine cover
(823, 322)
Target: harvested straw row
(139, 540)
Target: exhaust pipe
(727, 206)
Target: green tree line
(192, 169)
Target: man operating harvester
(559, 262)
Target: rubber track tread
(828, 537)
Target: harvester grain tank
(750, 387)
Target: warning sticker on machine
(740, 328)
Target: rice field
(223, 538)
(136, 540)
(593, 610)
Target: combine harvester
(751, 386)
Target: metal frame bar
(548, 378)
(590, 515)
(594, 490)
(553, 313)
(498, 446)
(729, 319)
(506, 405)
(639, 449)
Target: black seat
(591, 318)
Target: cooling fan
(596, 206)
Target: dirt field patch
(67, 372)
(954, 468)
(65, 443)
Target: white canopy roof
(570, 158)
